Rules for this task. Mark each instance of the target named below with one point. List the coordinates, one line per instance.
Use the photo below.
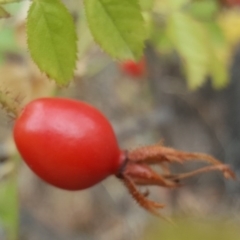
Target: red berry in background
(134, 69)
(231, 3)
(71, 145)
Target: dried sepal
(10, 104)
(137, 172)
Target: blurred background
(176, 94)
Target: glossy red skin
(134, 69)
(67, 143)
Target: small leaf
(189, 39)
(52, 39)
(117, 26)
(3, 13)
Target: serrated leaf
(189, 39)
(86, 39)
(117, 26)
(52, 39)
(3, 13)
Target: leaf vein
(114, 23)
(52, 41)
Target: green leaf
(203, 10)
(86, 39)
(117, 26)
(189, 39)
(218, 64)
(8, 42)
(177, 4)
(161, 39)
(13, 8)
(9, 211)
(219, 72)
(3, 13)
(52, 39)
(146, 5)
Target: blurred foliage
(3, 13)
(202, 33)
(7, 42)
(193, 30)
(197, 229)
(9, 201)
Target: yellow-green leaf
(203, 10)
(52, 39)
(86, 40)
(146, 5)
(218, 63)
(117, 26)
(9, 209)
(190, 41)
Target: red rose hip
(71, 145)
(67, 143)
(134, 69)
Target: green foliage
(7, 42)
(218, 67)
(117, 26)
(197, 229)
(190, 29)
(9, 203)
(203, 10)
(3, 13)
(85, 40)
(52, 39)
(120, 28)
(8, 1)
(146, 5)
(189, 39)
